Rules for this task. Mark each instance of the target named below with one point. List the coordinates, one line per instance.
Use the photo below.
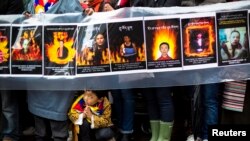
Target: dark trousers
(101, 134)
(10, 114)
(59, 129)
(182, 99)
(160, 104)
(124, 103)
(210, 102)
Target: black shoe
(127, 137)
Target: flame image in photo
(26, 48)
(52, 48)
(4, 55)
(105, 57)
(141, 54)
(164, 35)
(115, 56)
(211, 39)
(87, 59)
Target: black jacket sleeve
(156, 3)
(11, 7)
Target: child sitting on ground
(92, 110)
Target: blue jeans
(124, 104)
(210, 103)
(160, 103)
(10, 112)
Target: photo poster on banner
(92, 50)
(199, 41)
(233, 41)
(163, 43)
(26, 50)
(4, 49)
(127, 47)
(60, 51)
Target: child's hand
(84, 115)
(88, 112)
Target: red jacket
(162, 58)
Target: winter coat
(101, 113)
(50, 104)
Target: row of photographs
(157, 43)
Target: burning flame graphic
(85, 62)
(115, 56)
(166, 35)
(105, 57)
(52, 49)
(31, 53)
(4, 55)
(211, 39)
(34, 54)
(141, 54)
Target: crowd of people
(89, 117)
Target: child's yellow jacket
(101, 114)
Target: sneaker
(70, 138)
(198, 139)
(190, 138)
(29, 131)
(8, 139)
(112, 139)
(127, 137)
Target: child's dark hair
(100, 93)
(164, 43)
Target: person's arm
(74, 113)
(133, 44)
(226, 51)
(103, 120)
(240, 53)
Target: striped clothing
(234, 95)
